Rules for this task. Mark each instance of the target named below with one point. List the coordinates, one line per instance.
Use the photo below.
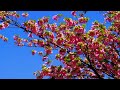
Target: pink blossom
(44, 58)
(25, 14)
(118, 72)
(55, 17)
(102, 50)
(30, 35)
(96, 55)
(73, 13)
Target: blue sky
(17, 62)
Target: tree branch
(90, 65)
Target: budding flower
(5, 39)
(86, 61)
(73, 13)
(25, 40)
(119, 65)
(15, 37)
(25, 14)
(30, 35)
(40, 53)
(35, 41)
(33, 52)
(56, 17)
(30, 44)
(91, 74)
(44, 58)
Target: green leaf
(84, 25)
(34, 21)
(59, 67)
(67, 59)
(102, 31)
(88, 18)
(47, 32)
(66, 18)
(96, 21)
(77, 58)
(105, 60)
(76, 16)
(49, 61)
(60, 15)
(118, 38)
(79, 63)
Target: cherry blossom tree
(85, 55)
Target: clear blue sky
(17, 62)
